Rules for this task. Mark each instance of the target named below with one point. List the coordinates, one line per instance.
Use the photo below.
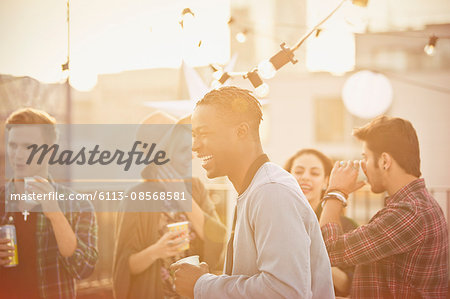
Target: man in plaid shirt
(403, 251)
(55, 246)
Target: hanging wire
(417, 83)
(302, 40)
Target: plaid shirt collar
(415, 185)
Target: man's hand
(344, 177)
(64, 234)
(6, 252)
(50, 208)
(186, 275)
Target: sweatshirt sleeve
(283, 251)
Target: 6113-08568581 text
(100, 195)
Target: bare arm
(343, 178)
(140, 261)
(331, 213)
(340, 280)
(167, 246)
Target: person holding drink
(56, 241)
(403, 251)
(275, 249)
(147, 243)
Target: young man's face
(214, 141)
(372, 170)
(19, 138)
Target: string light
(221, 77)
(187, 17)
(362, 3)
(261, 88)
(431, 46)
(217, 74)
(241, 36)
(268, 68)
(318, 31)
(65, 66)
(215, 67)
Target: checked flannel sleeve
(395, 229)
(84, 224)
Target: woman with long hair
(145, 249)
(311, 168)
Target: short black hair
(235, 102)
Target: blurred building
(306, 105)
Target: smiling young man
(56, 245)
(403, 251)
(276, 249)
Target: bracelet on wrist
(336, 196)
(345, 195)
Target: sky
(109, 36)
(118, 35)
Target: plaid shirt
(57, 274)
(401, 253)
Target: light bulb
(187, 18)
(262, 90)
(241, 37)
(217, 74)
(431, 46)
(216, 84)
(266, 69)
(429, 49)
(362, 3)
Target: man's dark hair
(394, 136)
(237, 103)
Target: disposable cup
(361, 174)
(193, 260)
(30, 203)
(183, 229)
(27, 180)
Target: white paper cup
(193, 260)
(361, 174)
(27, 180)
(31, 203)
